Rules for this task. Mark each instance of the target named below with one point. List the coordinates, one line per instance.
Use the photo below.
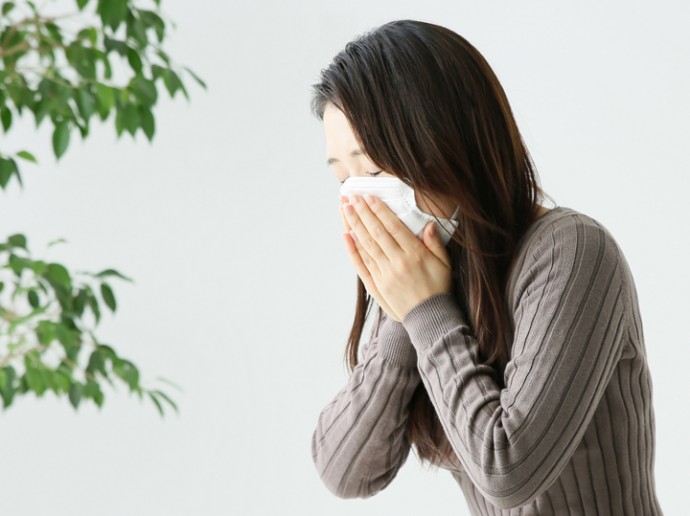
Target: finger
(434, 243)
(369, 261)
(361, 268)
(391, 235)
(367, 244)
(342, 215)
(364, 275)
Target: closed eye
(373, 174)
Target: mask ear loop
(454, 219)
(454, 222)
(455, 213)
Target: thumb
(433, 241)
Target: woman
(510, 351)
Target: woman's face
(344, 153)
(348, 160)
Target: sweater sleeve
(569, 312)
(360, 440)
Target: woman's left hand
(405, 269)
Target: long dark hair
(426, 107)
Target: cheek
(340, 172)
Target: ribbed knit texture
(573, 432)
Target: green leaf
(34, 379)
(155, 400)
(56, 241)
(45, 332)
(93, 390)
(96, 363)
(7, 7)
(151, 19)
(7, 167)
(27, 156)
(39, 267)
(89, 34)
(130, 118)
(171, 81)
(55, 32)
(6, 118)
(196, 78)
(144, 89)
(167, 398)
(157, 71)
(118, 46)
(148, 123)
(134, 60)
(63, 378)
(8, 390)
(79, 301)
(136, 31)
(95, 307)
(81, 4)
(18, 264)
(119, 121)
(112, 12)
(33, 299)
(127, 371)
(108, 71)
(112, 272)
(61, 138)
(51, 379)
(75, 393)
(67, 338)
(86, 103)
(105, 95)
(107, 352)
(108, 296)
(163, 55)
(17, 240)
(58, 276)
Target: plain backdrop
(244, 294)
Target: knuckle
(378, 232)
(417, 259)
(394, 229)
(402, 266)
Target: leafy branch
(68, 77)
(113, 62)
(47, 317)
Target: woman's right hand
(371, 288)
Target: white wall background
(244, 293)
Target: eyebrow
(356, 152)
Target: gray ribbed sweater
(572, 433)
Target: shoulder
(567, 249)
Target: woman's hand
(368, 283)
(403, 269)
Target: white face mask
(399, 197)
